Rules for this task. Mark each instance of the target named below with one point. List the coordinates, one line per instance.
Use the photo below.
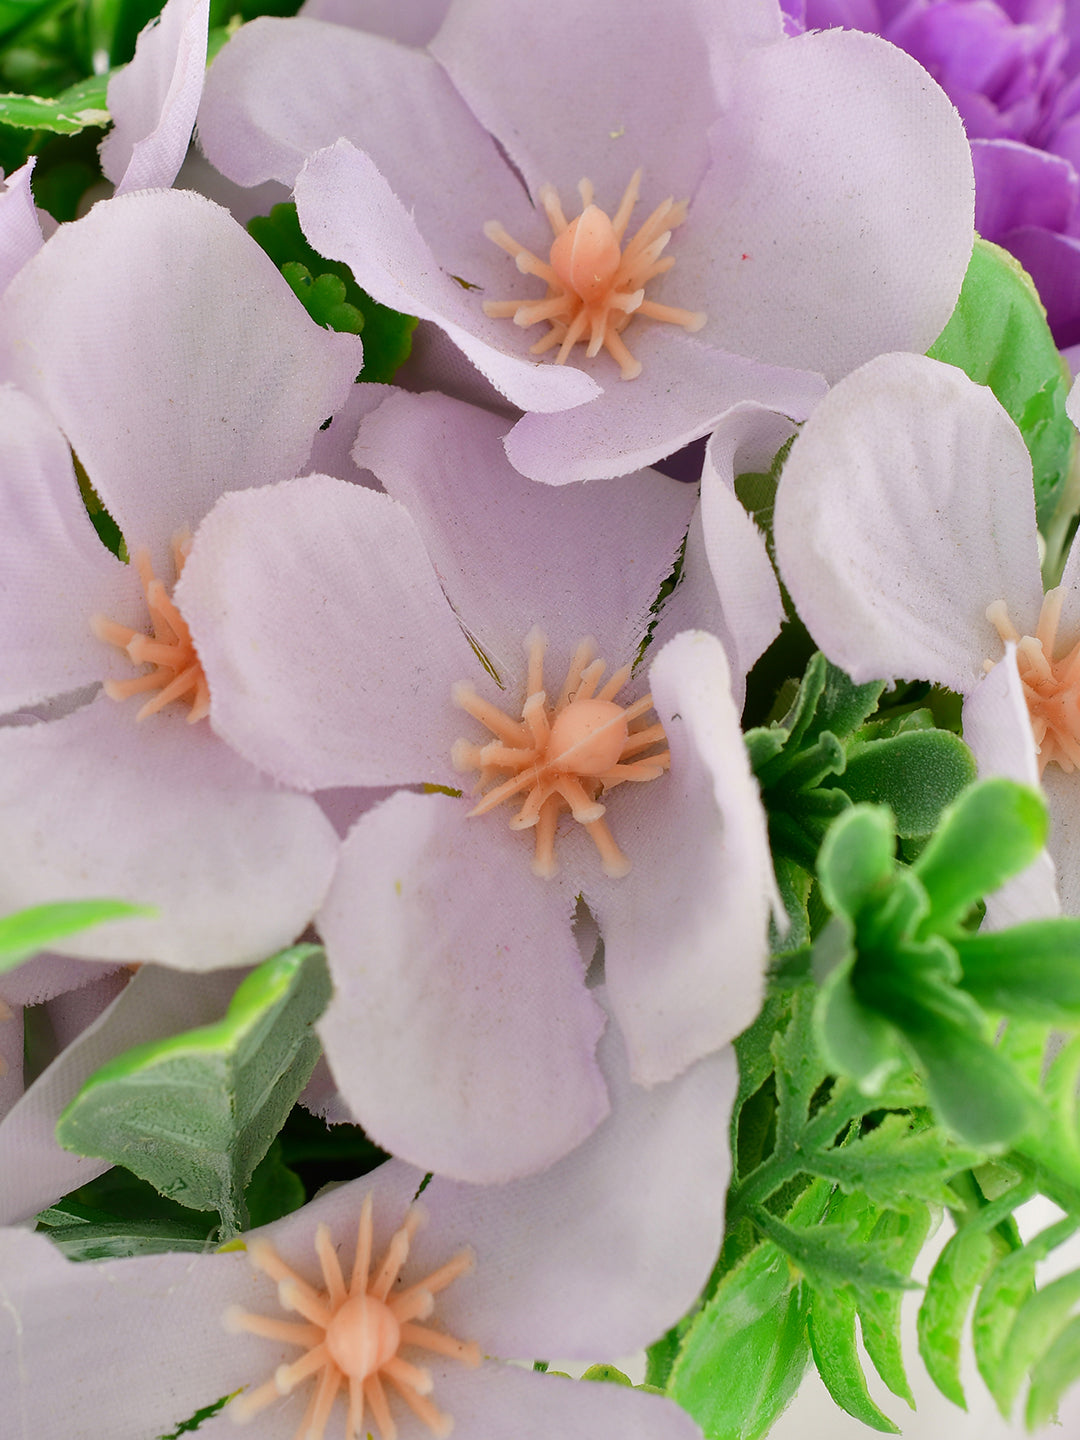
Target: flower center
(355, 1332)
(595, 284)
(562, 756)
(1051, 686)
(176, 673)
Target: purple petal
(583, 1260)
(412, 24)
(1053, 262)
(328, 645)
(579, 560)
(883, 592)
(685, 933)
(460, 1033)
(173, 356)
(683, 390)
(161, 813)
(153, 101)
(20, 229)
(836, 219)
(1017, 185)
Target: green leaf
(1031, 971)
(73, 110)
(836, 1355)
(273, 1190)
(196, 1113)
(916, 773)
(897, 1160)
(994, 830)
(998, 335)
(28, 931)
(855, 1039)
(1052, 1376)
(828, 1256)
(323, 298)
(1039, 1322)
(607, 1374)
(856, 861)
(958, 1271)
(903, 1232)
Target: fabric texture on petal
(20, 228)
(154, 99)
(904, 509)
(460, 1033)
(412, 24)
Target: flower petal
(512, 554)
(905, 509)
(328, 646)
(460, 1033)
(20, 228)
(161, 813)
(685, 933)
(413, 24)
(836, 219)
(154, 99)
(173, 356)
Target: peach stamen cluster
(177, 673)
(1051, 686)
(595, 285)
(562, 756)
(354, 1333)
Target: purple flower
(784, 195)
(155, 340)
(1013, 71)
(590, 1260)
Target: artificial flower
(20, 228)
(814, 201)
(177, 364)
(905, 532)
(461, 1033)
(582, 1262)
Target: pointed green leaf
(836, 1355)
(896, 1160)
(28, 931)
(1040, 1320)
(196, 1113)
(916, 773)
(993, 831)
(73, 110)
(1056, 1371)
(903, 1233)
(1031, 970)
(828, 1256)
(843, 706)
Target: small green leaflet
(28, 931)
(73, 110)
(196, 1113)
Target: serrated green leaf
(196, 1113)
(856, 861)
(993, 831)
(998, 335)
(73, 110)
(902, 1233)
(895, 1161)
(916, 773)
(1031, 970)
(842, 705)
(1056, 1371)
(829, 1258)
(831, 1329)
(28, 931)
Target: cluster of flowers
(344, 604)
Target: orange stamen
(595, 283)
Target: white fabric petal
(328, 646)
(160, 813)
(1063, 796)
(331, 450)
(412, 24)
(603, 106)
(685, 933)
(20, 229)
(173, 356)
(46, 976)
(460, 1033)
(579, 560)
(904, 509)
(73, 1010)
(123, 1348)
(695, 605)
(998, 729)
(34, 1170)
(154, 99)
(350, 212)
(585, 1261)
(836, 219)
(683, 390)
(57, 573)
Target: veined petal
(904, 509)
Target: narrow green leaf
(856, 861)
(196, 1113)
(903, 1233)
(916, 773)
(1040, 1320)
(828, 1257)
(73, 110)
(958, 1271)
(28, 931)
(994, 830)
(855, 1040)
(1031, 971)
(836, 1355)
(1056, 1371)
(896, 1160)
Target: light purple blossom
(905, 510)
(828, 182)
(590, 1260)
(1012, 70)
(462, 1033)
(158, 342)
(20, 228)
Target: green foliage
(81, 105)
(331, 295)
(196, 1113)
(998, 335)
(28, 931)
